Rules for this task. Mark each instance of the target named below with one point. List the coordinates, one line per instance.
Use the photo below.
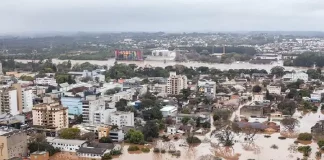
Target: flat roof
(167, 108)
(65, 141)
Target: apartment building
(9, 103)
(13, 143)
(122, 119)
(27, 99)
(176, 83)
(208, 88)
(74, 105)
(89, 106)
(51, 115)
(274, 89)
(161, 89)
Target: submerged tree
(290, 124)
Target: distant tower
(223, 49)
(1, 73)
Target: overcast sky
(19, 16)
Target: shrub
(171, 151)
(133, 148)
(282, 138)
(305, 137)
(320, 144)
(163, 151)
(165, 138)
(105, 140)
(176, 138)
(149, 139)
(305, 150)
(296, 142)
(115, 152)
(192, 140)
(106, 156)
(314, 109)
(267, 136)
(156, 150)
(318, 154)
(145, 150)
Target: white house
(46, 81)
(274, 89)
(116, 135)
(257, 97)
(169, 111)
(171, 130)
(67, 145)
(295, 76)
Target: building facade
(176, 83)
(67, 145)
(13, 143)
(295, 76)
(274, 89)
(52, 115)
(46, 81)
(9, 101)
(208, 88)
(122, 119)
(74, 105)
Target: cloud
(18, 16)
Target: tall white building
(176, 83)
(9, 103)
(27, 100)
(208, 88)
(122, 119)
(90, 106)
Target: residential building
(116, 135)
(52, 115)
(253, 110)
(74, 105)
(90, 107)
(160, 89)
(128, 95)
(258, 97)
(122, 119)
(46, 81)
(39, 155)
(67, 145)
(171, 130)
(176, 83)
(293, 77)
(132, 83)
(274, 89)
(169, 111)
(208, 88)
(9, 103)
(27, 99)
(316, 97)
(19, 96)
(13, 143)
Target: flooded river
(220, 66)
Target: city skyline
(35, 16)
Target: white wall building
(67, 145)
(13, 103)
(122, 119)
(116, 135)
(176, 83)
(27, 100)
(169, 111)
(89, 108)
(295, 76)
(274, 89)
(46, 81)
(258, 97)
(164, 53)
(207, 87)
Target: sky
(37, 16)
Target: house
(257, 97)
(274, 89)
(39, 155)
(293, 77)
(67, 145)
(252, 110)
(171, 130)
(258, 126)
(96, 150)
(169, 111)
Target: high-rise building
(13, 143)
(17, 86)
(176, 83)
(52, 115)
(9, 103)
(27, 99)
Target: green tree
(106, 156)
(26, 78)
(151, 130)
(278, 71)
(153, 113)
(121, 105)
(256, 89)
(320, 144)
(134, 136)
(185, 120)
(287, 107)
(185, 93)
(69, 64)
(69, 133)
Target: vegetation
(305, 137)
(151, 130)
(69, 133)
(274, 146)
(37, 142)
(134, 136)
(26, 78)
(257, 89)
(156, 150)
(133, 148)
(289, 124)
(309, 59)
(278, 71)
(193, 140)
(320, 144)
(115, 152)
(105, 140)
(287, 107)
(106, 156)
(145, 150)
(306, 150)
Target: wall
(27, 100)
(13, 103)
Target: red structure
(129, 55)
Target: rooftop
(168, 108)
(65, 141)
